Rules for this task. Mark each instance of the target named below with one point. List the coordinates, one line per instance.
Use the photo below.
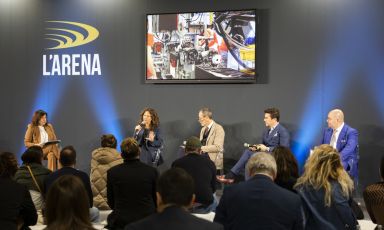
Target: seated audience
(287, 168)
(374, 198)
(32, 174)
(174, 197)
(259, 203)
(17, 210)
(67, 205)
(68, 160)
(103, 159)
(131, 187)
(203, 172)
(326, 188)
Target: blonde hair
(322, 166)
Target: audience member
(287, 168)
(68, 160)
(374, 198)
(17, 209)
(67, 206)
(203, 172)
(326, 188)
(102, 160)
(174, 197)
(32, 174)
(259, 203)
(131, 187)
(212, 137)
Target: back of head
(8, 164)
(286, 163)
(262, 163)
(108, 140)
(68, 156)
(382, 167)
(322, 166)
(176, 186)
(33, 154)
(67, 204)
(193, 144)
(129, 148)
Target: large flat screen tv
(201, 47)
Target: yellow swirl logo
(68, 38)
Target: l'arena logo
(64, 35)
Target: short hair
(338, 114)
(33, 154)
(274, 113)
(108, 140)
(8, 164)
(193, 144)
(68, 156)
(262, 163)
(129, 148)
(176, 186)
(67, 205)
(206, 112)
(382, 167)
(37, 116)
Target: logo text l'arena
(67, 35)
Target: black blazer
(173, 218)
(15, 202)
(69, 171)
(131, 192)
(259, 204)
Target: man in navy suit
(259, 203)
(275, 135)
(343, 138)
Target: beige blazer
(215, 144)
(32, 137)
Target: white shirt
(43, 135)
(338, 130)
(210, 125)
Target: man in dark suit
(68, 161)
(203, 172)
(259, 203)
(174, 197)
(344, 139)
(275, 135)
(131, 187)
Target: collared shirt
(210, 125)
(338, 130)
(272, 128)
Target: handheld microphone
(251, 145)
(142, 124)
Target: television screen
(201, 47)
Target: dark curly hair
(8, 164)
(33, 154)
(155, 122)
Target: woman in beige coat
(103, 159)
(39, 132)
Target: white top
(338, 130)
(43, 135)
(210, 125)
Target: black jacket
(15, 202)
(173, 218)
(131, 192)
(259, 204)
(203, 172)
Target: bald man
(343, 138)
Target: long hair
(67, 205)
(155, 121)
(286, 163)
(37, 116)
(322, 166)
(8, 164)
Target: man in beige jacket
(212, 137)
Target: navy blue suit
(259, 204)
(347, 145)
(278, 137)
